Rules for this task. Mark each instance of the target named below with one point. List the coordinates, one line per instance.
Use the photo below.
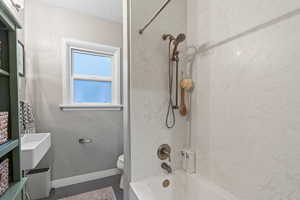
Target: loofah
(187, 84)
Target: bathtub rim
(207, 184)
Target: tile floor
(112, 181)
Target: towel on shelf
(26, 118)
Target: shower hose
(170, 118)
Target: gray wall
(45, 28)
(22, 80)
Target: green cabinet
(9, 101)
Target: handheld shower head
(180, 38)
(173, 58)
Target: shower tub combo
(177, 186)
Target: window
(91, 76)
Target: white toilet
(120, 165)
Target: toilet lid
(121, 158)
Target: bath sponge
(187, 84)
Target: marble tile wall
(149, 86)
(246, 104)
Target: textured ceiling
(104, 9)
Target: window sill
(66, 107)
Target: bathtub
(182, 187)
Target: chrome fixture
(141, 31)
(166, 167)
(164, 152)
(85, 140)
(173, 58)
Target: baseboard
(84, 178)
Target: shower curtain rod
(141, 31)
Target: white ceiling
(104, 9)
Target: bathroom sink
(33, 148)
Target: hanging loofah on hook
(187, 84)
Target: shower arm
(141, 31)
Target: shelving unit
(14, 191)
(9, 100)
(8, 147)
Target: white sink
(33, 148)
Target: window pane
(89, 64)
(92, 91)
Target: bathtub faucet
(166, 167)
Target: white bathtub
(182, 187)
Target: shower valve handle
(164, 152)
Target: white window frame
(69, 45)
